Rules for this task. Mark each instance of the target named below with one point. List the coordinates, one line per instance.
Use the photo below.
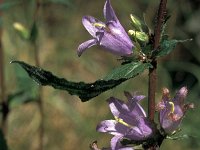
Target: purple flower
(130, 121)
(110, 35)
(172, 110)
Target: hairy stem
(152, 71)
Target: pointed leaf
(167, 46)
(85, 91)
(127, 71)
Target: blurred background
(69, 124)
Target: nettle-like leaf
(85, 91)
(127, 71)
(167, 46)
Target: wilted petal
(168, 124)
(85, 46)
(180, 96)
(172, 110)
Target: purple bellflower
(110, 35)
(130, 121)
(172, 111)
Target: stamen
(172, 116)
(172, 108)
(99, 25)
(119, 120)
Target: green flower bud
(142, 36)
(136, 23)
(23, 32)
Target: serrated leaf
(127, 71)
(85, 91)
(167, 46)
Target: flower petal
(108, 126)
(117, 107)
(109, 13)
(87, 44)
(131, 98)
(116, 41)
(89, 24)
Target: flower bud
(139, 35)
(136, 23)
(23, 32)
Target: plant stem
(37, 62)
(152, 71)
(3, 101)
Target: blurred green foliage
(69, 123)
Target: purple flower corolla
(172, 111)
(110, 35)
(130, 121)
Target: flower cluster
(132, 123)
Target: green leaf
(147, 49)
(167, 46)
(85, 91)
(19, 98)
(127, 71)
(180, 137)
(3, 144)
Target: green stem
(3, 102)
(37, 62)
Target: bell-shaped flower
(130, 121)
(110, 35)
(172, 111)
